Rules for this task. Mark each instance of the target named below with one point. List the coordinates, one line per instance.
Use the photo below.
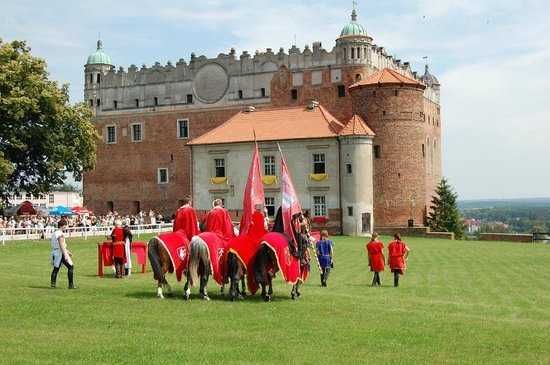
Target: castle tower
(356, 178)
(393, 106)
(353, 44)
(97, 66)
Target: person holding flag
(186, 219)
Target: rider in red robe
(186, 219)
(397, 257)
(219, 221)
(376, 258)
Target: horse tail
(154, 258)
(198, 254)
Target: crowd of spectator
(47, 224)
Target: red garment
(376, 256)
(186, 219)
(216, 249)
(396, 252)
(177, 246)
(117, 236)
(253, 193)
(245, 248)
(257, 228)
(289, 265)
(218, 221)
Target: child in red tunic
(376, 258)
(397, 257)
(119, 251)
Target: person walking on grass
(398, 251)
(61, 255)
(324, 254)
(376, 258)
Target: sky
(490, 57)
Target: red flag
(253, 192)
(290, 204)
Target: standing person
(119, 254)
(61, 255)
(324, 254)
(186, 219)
(376, 258)
(398, 251)
(128, 250)
(218, 221)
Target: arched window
(433, 154)
(428, 160)
(345, 54)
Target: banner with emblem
(290, 205)
(177, 246)
(216, 250)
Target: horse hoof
(232, 298)
(206, 298)
(160, 296)
(267, 298)
(240, 297)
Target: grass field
(460, 302)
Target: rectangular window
(51, 198)
(110, 206)
(396, 92)
(97, 102)
(137, 132)
(319, 206)
(162, 175)
(189, 98)
(349, 169)
(263, 92)
(91, 102)
(270, 205)
(183, 128)
(341, 91)
(115, 104)
(365, 223)
(219, 164)
(240, 94)
(269, 165)
(350, 211)
(358, 52)
(377, 152)
(156, 101)
(98, 78)
(423, 150)
(294, 94)
(318, 163)
(352, 53)
(111, 134)
(137, 103)
(91, 78)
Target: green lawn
(460, 302)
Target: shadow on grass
(42, 287)
(216, 297)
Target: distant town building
(49, 200)
(156, 124)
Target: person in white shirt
(61, 255)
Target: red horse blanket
(288, 264)
(177, 245)
(216, 250)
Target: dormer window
(115, 104)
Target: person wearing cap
(376, 258)
(398, 251)
(61, 255)
(119, 250)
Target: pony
(235, 273)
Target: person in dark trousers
(61, 255)
(324, 254)
(398, 251)
(376, 258)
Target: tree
(42, 136)
(444, 215)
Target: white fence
(19, 234)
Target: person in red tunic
(398, 251)
(258, 227)
(186, 219)
(218, 221)
(119, 250)
(376, 258)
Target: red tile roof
(356, 126)
(276, 124)
(387, 77)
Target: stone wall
(415, 232)
(506, 237)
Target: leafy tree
(42, 136)
(67, 188)
(444, 215)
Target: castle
(360, 129)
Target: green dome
(353, 28)
(99, 57)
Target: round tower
(97, 66)
(356, 178)
(393, 106)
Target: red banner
(253, 192)
(290, 204)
